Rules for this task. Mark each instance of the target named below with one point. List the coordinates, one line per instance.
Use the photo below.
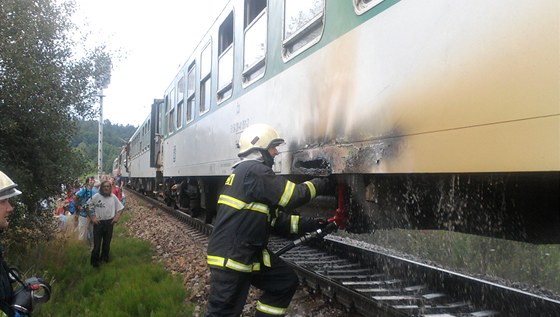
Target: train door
(156, 155)
(156, 144)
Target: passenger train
(435, 114)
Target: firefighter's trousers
(229, 289)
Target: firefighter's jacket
(248, 209)
(6, 292)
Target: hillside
(115, 137)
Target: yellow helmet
(258, 136)
(7, 187)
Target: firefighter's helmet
(7, 187)
(258, 136)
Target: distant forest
(115, 136)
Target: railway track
(373, 282)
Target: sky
(155, 38)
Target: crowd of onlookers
(70, 210)
(101, 202)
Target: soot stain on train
(468, 203)
(370, 157)
(319, 166)
(494, 205)
(357, 158)
(502, 205)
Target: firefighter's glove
(325, 186)
(308, 224)
(319, 223)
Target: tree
(48, 80)
(115, 136)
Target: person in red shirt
(117, 191)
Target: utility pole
(100, 138)
(103, 68)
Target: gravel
(184, 255)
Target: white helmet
(7, 187)
(258, 136)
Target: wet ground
(530, 267)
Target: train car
(144, 173)
(436, 114)
(120, 165)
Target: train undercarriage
(513, 206)
(522, 207)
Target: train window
(205, 95)
(180, 99)
(158, 120)
(361, 6)
(179, 115)
(254, 50)
(170, 124)
(303, 25)
(171, 113)
(165, 114)
(225, 58)
(253, 8)
(190, 92)
(146, 137)
(206, 61)
(205, 78)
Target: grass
(129, 285)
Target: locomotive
(434, 114)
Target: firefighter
(7, 190)
(33, 291)
(253, 204)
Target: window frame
(191, 96)
(362, 6)
(260, 64)
(180, 98)
(317, 23)
(205, 81)
(226, 32)
(170, 115)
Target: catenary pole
(100, 138)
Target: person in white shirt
(105, 210)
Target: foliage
(48, 81)
(129, 285)
(114, 137)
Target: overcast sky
(155, 36)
